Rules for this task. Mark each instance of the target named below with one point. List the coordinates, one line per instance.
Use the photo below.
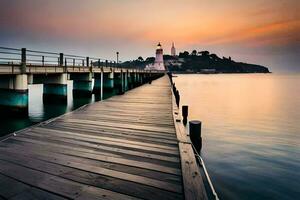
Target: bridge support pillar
(138, 79)
(82, 84)
(126, 78)
(130, 80)
(14, 95)
(119, 82)
(108, 82)
(55, 88)
(147, 78)
(98, 85)
(142, 78)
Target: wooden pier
(125, 147)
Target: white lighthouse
(159, 59)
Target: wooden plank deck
(125, 147)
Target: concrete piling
(55, 88)
(82, 84)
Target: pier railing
(23, 56)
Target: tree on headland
(194, 53)
(204, 53)
(140, 58)
(150, 60)
(185, 54)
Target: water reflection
(250, 132)
(38, 111)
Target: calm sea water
(39, 112)
(251, 127)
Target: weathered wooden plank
(96, 144)
(192, 181)
(122, 161)
(115, 134)
(121, 125)
(102, 181)
(57, 185)
(86, 137)
(47, 155)
(78, 164)
(114, 130)
(128, 119)
(103, 150)
(13, 189)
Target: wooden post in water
(185, 113)
(177, 97)
(195, 134)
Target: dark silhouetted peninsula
(204, 62)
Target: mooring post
(185, 113)
(23, 60)
(177, 98)
(195, 134)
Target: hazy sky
(265, 32)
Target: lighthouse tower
(159, 59)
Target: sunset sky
(265, 32)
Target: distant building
(159, 60)
(173, 50)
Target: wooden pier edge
(193, 185)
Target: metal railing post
(87, 61)
(43, 60)
(23, 60)
(61, 59)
